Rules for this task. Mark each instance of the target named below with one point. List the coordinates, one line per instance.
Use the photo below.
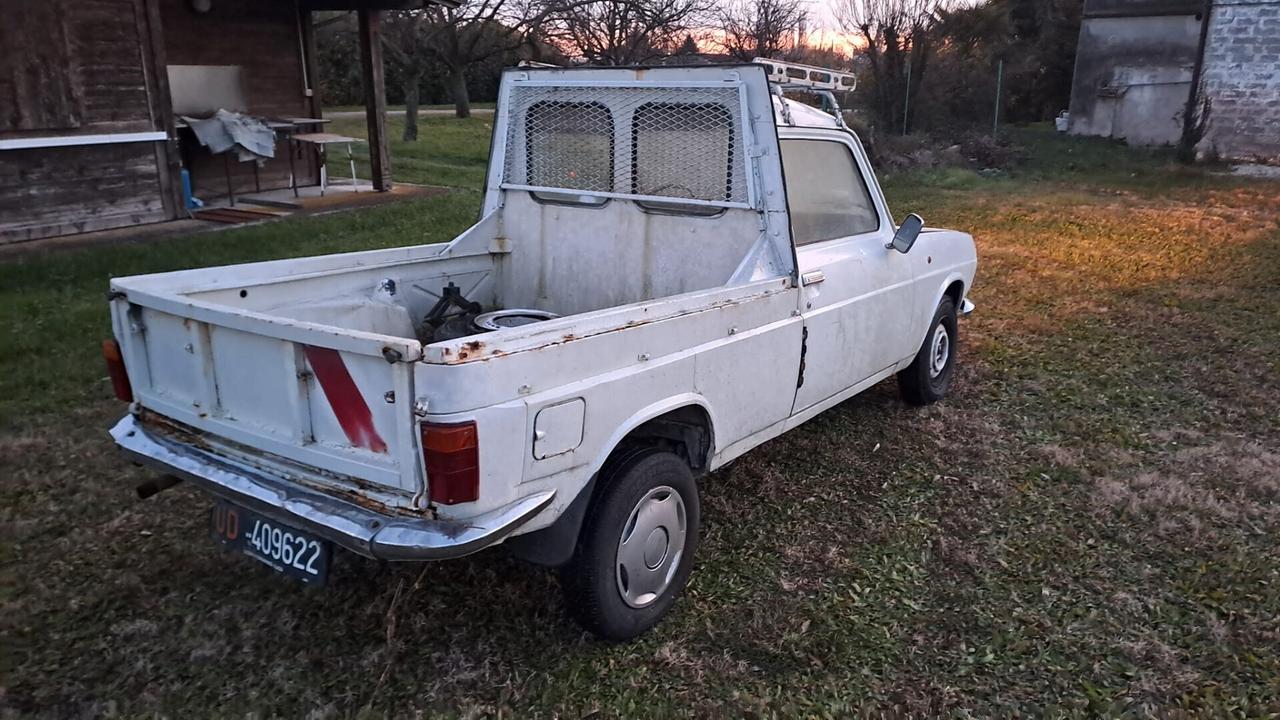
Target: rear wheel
(928, 378)
(636, 549)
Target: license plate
(287, 550)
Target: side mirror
(907, 233)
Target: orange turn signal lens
(116, 369)
(452, 456)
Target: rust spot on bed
(172, 430)
(353, 492)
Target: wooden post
(307, 37)
(168, 157)
(375, 92)
(311, 75)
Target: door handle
(813, 277)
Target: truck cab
(672, 266)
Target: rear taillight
(452, 456)
(115, 368)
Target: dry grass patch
(1197, 490)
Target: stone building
(1135, 61)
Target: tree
(1033, 43)
(625, 32)
(897, 42)
(689, 46)
(762, 28)
(969, 43)
(478, 30)
(459, 38)
(404, 37)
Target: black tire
(592, 581)
(919, 383)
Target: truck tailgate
(340, 401)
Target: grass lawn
(1086, 527)
(448, 151)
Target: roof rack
(793, 77)
(807, 76)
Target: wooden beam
(375, 93)
(309, 62)
(310, 71)
(160, 102)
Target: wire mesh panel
(569, 145)
(682, 149)
(655, 141)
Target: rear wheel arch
(681, 426)
(955, 290)
(686, 430)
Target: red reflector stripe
(116, 370)
(344, 397)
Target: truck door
(856, 295)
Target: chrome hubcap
(939, 351)
(651, 545)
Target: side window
(682, 150)
(826, 194)
(569, 145)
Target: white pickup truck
(672, 266)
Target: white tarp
(249, 137)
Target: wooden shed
(89, 136)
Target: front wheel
(928, 377)
(636, 550)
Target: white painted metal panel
(749, 374)
(754, 157)
(858, 315)
(254, 376)
(575, 259)
(557, 428)
(262, 392)
(169, 346)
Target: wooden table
(321, 141)
(283, 126)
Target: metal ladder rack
(824, 83)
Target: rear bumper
(385, 536)
(966, 306)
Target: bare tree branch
(761, 28)
(626, 32)
(897, 41)
(458, 38)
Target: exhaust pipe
(157, 485)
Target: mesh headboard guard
(667, 142)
